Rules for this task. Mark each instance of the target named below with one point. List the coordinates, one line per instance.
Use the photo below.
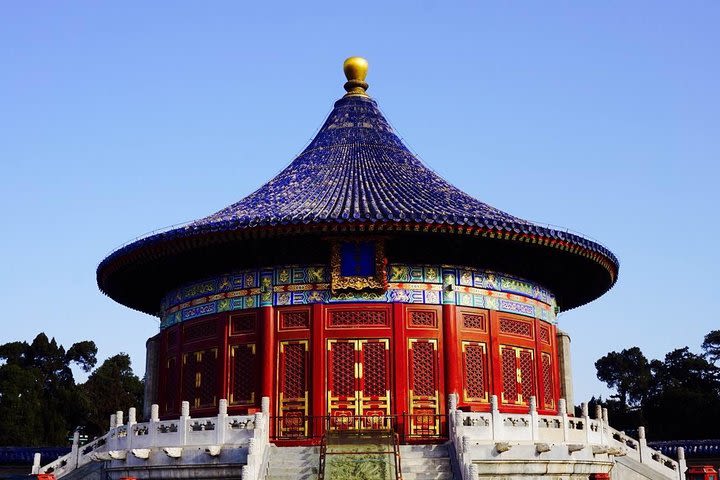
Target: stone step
(427, 476)
(433, 467)
(311, 476)
(435, 453)
(289, 470)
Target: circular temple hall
(360, 288)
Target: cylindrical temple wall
(151, 374)
(566, 385)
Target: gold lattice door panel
(199, 377)
(423, 382)
(475, 371)
(518, 374)
(358, 382)
(293, 388)
(547, 381)
(243, 368)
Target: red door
(358, 382)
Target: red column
(400, 351)
(269, 359)
(453, 358)
(317, 367)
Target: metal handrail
(398, 463)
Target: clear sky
(118, 118)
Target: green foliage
(628, 372)
(111, 387)
(676, 398)
(711, 346)
(40, 402)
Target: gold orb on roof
(355, 69)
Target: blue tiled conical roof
(357, 169)
(355, 176)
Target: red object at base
(701, 472)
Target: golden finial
(355, 69)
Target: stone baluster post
(605, 417)
(74, 451)
(113, 421)
(599, 418)
(452, 410)
(36, 463)
(562, 407)
(534, 419)
(184, 422)
(497, 421)
(118, 423)
(642, 445)
(221, 424)
(682, 464)
(265, 409)
(152, 428)
(131, 422)
(586, 420)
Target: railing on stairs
(396, 456)
(472, 433)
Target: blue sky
(118, 118)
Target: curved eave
(145, 255)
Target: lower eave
(175, 243)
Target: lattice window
(547, 380)
(297, 319)
(375, 369)
(200, 330)
(244, 374)
(423, 368)
(358, 318)
(423, 318)
(474, 321)
(527, 375)
(343, 369)
(475, 371)
(515, 327)
(295, 371)
(544, 334)
(509, 374)
(199, 377)
(207, 394)
(243, 323)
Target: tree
(711, 346)
(111, 387)
(39, 399)
(627, 372)
(674, 398)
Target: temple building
(358, 291)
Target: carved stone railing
(248, 432)
(473, 432)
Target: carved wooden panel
(518, 375)
(243, 374)
(199, 378)
(243, 323)
(293, 388)
(423, 381)
(475, 371)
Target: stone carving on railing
(476, 435)
(248, 433)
